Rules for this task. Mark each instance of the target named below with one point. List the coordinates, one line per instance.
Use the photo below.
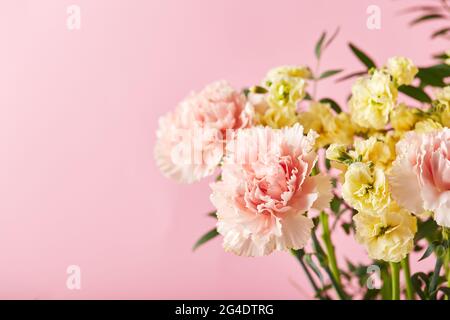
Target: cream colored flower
(366, 188)
(375, 150)
(427, 125)
(286, 86)
(278, 118)
(373, 98)
(286, 92)
(402, 70)
(287, 71)
(331, 128)
(388, 236)
(403, 118)
(441, 106)
(336, 152)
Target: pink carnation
(420, 177)
(266, 189)
(191, 139)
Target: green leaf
(347, 227)
(329, 73)
(212, 214)
(333, 104)
(440, 32)
(335, 204)
(336, 32)
(427, 17)
(429, 250)
(319, 44)
(328, 164)
(415, 93)
(352, 75)
(418, 280)
(205, 238)
(309, 261)
(434, 75)
(258, 89)
(427, 229)
(446, 291)
(440, 56)
(364, 58)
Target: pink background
(78, 114)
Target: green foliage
(415, 93)
(333, 104)
(205, 238)
(364, 58)
(329, 73)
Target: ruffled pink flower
(420, 177)
(191, 139)
(266, 189)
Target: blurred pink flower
(420, 177)
(266, 189)
(191, 139)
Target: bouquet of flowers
(291, 167)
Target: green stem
(408, 281)
(435, 278)
(395, 277)
(445, 235)
(332, 262)
(298, 254)
(323, 262)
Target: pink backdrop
(78, 114)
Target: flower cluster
(385, 162)
(400, 169)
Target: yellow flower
(373, 98)
(388, 236)
(278, 117)
(427, 125)
(286, 86)
(403, 118)
(375, 150)
(366, 188)
(330, 127)
(287, 71)
(442, 106)
(402, 70)
(336, 152)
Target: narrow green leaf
(415, 93)
(205, 238)
(212, 214)
(347, 227)
(336, 32)
(309, 261)
(364, 58)
(328, 164)
(352, 75)
(333, 104)
(440, 56)
(434, 75)
(446, 291)
(427, 17)
(440, 32)
(329, 73)
(258, 89)
(319, 44)
(335, 204)
(418, 280)
(427, 229)
(421, 8)
(429, 250)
